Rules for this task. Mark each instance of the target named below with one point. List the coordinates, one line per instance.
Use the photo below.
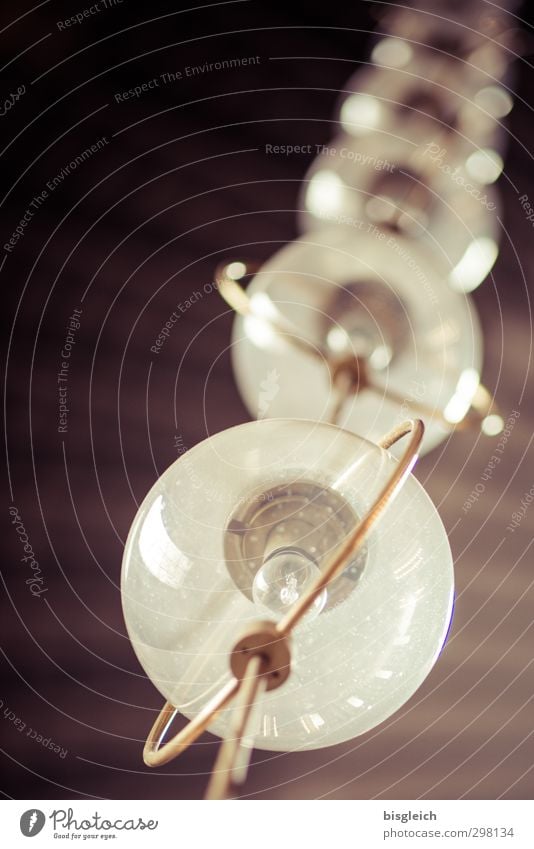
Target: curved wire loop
(156, 754)
(350, 374)
(226, 279)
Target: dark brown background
(142, 224)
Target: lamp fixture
(287, 583)
(279, 529)
(408, 182)
(355, 340)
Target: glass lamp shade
(287, 490)
(481, 35)
(434, 91)
(404, 178)
(372, 295)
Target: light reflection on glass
(459, 405)
(475, 265)
(392, 52)
(485, 165)
(162, 558)
(325, 193)
(361, 113)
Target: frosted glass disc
(357, 661)
(423, 339)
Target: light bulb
(208, 534)
(282, 580)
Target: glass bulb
(187, 588)
(358, 179)
(384, 299)
(283, 579)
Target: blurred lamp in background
(355, 332)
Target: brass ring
(156, 754)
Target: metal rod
(231, 767)
(481, 406)
(342, 389)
